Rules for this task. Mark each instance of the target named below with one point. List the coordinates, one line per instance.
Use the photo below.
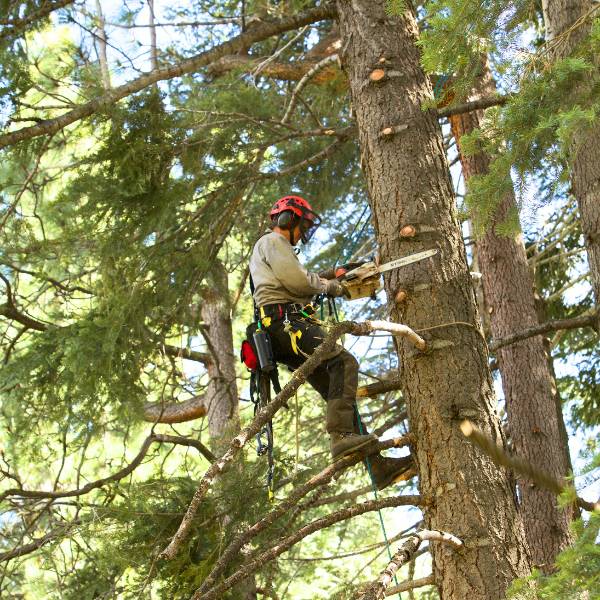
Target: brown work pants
(336, 378)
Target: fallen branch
(124, 472)
(377, 589)
(266, 414)
(284, 544)
(556, 325)
(521, 466)
(240, 42)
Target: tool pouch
(262, 342)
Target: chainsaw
(364, 280)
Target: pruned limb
(556, 325)
(280, 546)
(322, 64)
(405, 586)
(266, 414)
(179, 412)
(124, 472)
(519, 465)
(232, 551)
(479, 104)
(374, 389)
(396, 329)
(262, 31)
(377, 589)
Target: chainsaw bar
(395, 264)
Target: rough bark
(222, 394)
(535, 419)
(567, 23)
(409, 184)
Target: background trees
(139, 158)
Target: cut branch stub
(408, 231)
(388, 131)
(377, 75)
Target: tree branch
(320, 479)
(233, 46)
(521, 466)
(376, 591)
(167, 439)
(410, 585)
(479, 104)
(556, 325)
(266, 414)
(15, 25)
(36, 544)
(178, 412)
(284, 544)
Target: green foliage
(578, 570)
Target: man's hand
(336, 289)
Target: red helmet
(309, 220)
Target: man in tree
(282, 292)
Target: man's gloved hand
(336, 289)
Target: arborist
(283, 290)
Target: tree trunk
(535, 417)
(222, 394)
(413, 209)
(560, 15)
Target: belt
(278, 311)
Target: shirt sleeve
(279, 255)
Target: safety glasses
(309, 223)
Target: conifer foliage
(142, 145)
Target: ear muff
(286, 219)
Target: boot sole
(370, 440)
(404, 475)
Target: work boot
(386, 470)
(343, 444)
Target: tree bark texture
(221, 394)
(535, 417)
(559, 17)
(413, 209)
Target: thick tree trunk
(413, 209)
(559, 16)
(535, 417)
(222, 394)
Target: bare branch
(520, 466)
(178, 412)
(262, 31)
(556, 325)
(36, 544)
(479, 104)
(322, 64)
(376, 591)
(410, 585)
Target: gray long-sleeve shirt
(278, 275)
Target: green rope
(385, 537)
(369, 469)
